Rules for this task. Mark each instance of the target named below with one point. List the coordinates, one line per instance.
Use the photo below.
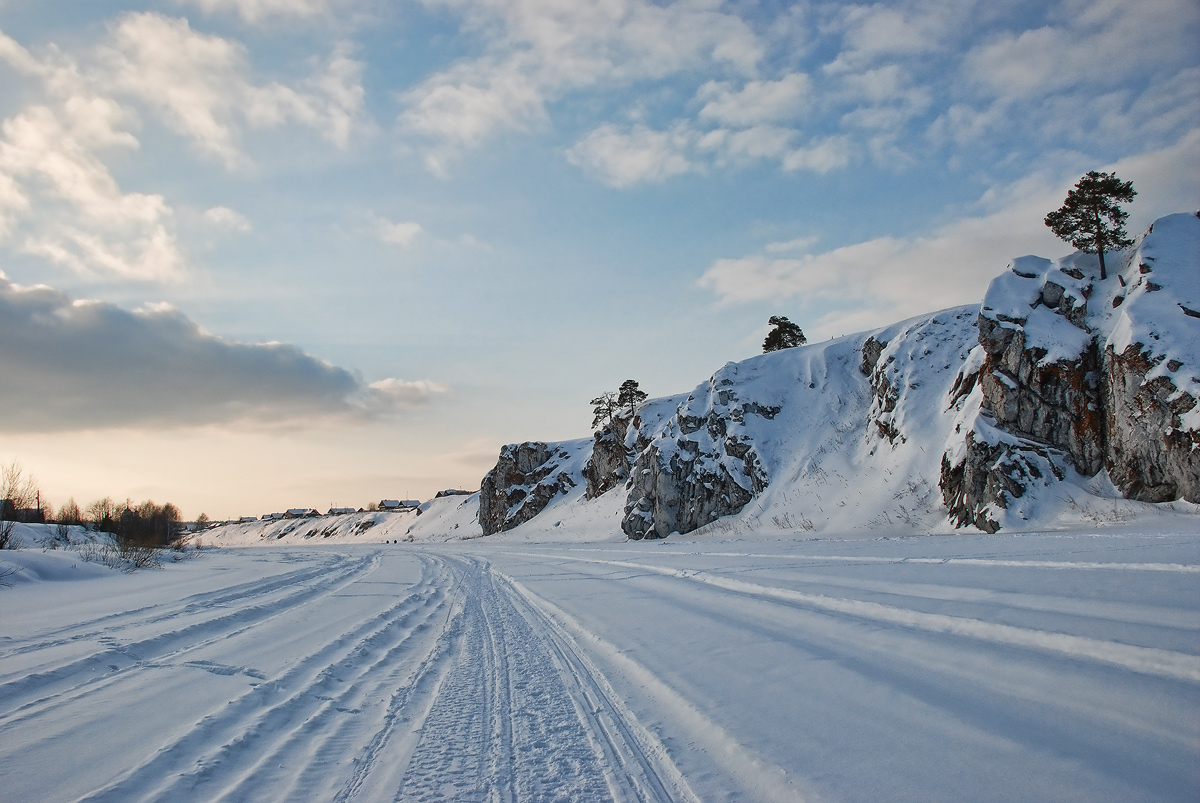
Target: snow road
(1062, 667)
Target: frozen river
(1005, 667)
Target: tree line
(145, 524)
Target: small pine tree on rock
(1090, 219)
(785, 335)
(629, 395)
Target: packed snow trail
(1061, 667)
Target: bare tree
(18, 491)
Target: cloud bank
(72, 364)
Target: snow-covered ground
(1060, 666)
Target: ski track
(43, 690)
(1145, 660)
(456, 689)
(471, 683)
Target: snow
(836, 639)
(1035, 666)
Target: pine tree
(785, 335)
(629, 395)
(1090, 219)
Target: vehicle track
(58, 684)
(521, 716)
(229, 751)
(113, 623)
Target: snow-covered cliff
(1076, 375)
(1057, 401)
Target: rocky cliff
(1014, 413)
(1072, 373)
(700, 465)
(524, 481)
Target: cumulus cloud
(402, 233)
(876, 32)
(622, 158)
(199, 85)
(1093, 42)
(756, 102)
(888, 278)
(56, 190)
(72, 364)
(59, 200)
(226, 218)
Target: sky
(264, 254)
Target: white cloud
(401, 234)
(199, 85)
(54, 185)
(623, 158)
(1094, 42)
(257, 11)
(226, 218)
(820, 156)
(756, 102)
(876, 32)
(540, 50)
(888, 278)
(89, 365)
(388, 394)
(799, 244)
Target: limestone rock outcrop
(524, 480)
(1074, 372)
(608, 465)
(697, 466)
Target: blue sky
(456, 221)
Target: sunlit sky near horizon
(261, 254)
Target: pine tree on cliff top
(629, 395)
(1090, 219)
(785, 335)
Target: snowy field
(1004, 667)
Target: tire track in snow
(1144, 660)
(639, 766)
(45, 685)
(764, 782)
(503, 725)
(1177, 568)
(114, 623)
(221, 753)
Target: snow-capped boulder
(1072, 372)
(525, 479)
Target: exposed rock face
(698, 467)
(524, 480)
(993, 474)
(609, 464)
(883, 395)
(1105, 372)
(1041, 377)
(1152, 367)
(1152, 455)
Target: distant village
(383, 506)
